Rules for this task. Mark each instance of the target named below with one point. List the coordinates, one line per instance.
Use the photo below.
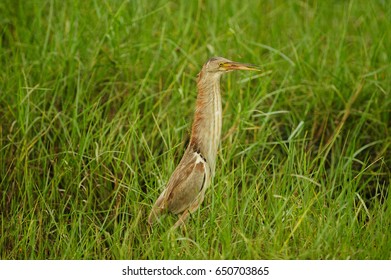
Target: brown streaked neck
(206, 129)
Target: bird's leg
(182, 219)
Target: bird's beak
(239, 66)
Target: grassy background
(96, 101)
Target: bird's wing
(187, 181)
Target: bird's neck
(206, 129)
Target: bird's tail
(157, 209)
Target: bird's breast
(206, 131)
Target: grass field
(96, 103)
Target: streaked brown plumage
(186, 188)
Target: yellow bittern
(186, 188)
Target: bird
(186, 187)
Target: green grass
(96, 103)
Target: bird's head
(222, 65)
